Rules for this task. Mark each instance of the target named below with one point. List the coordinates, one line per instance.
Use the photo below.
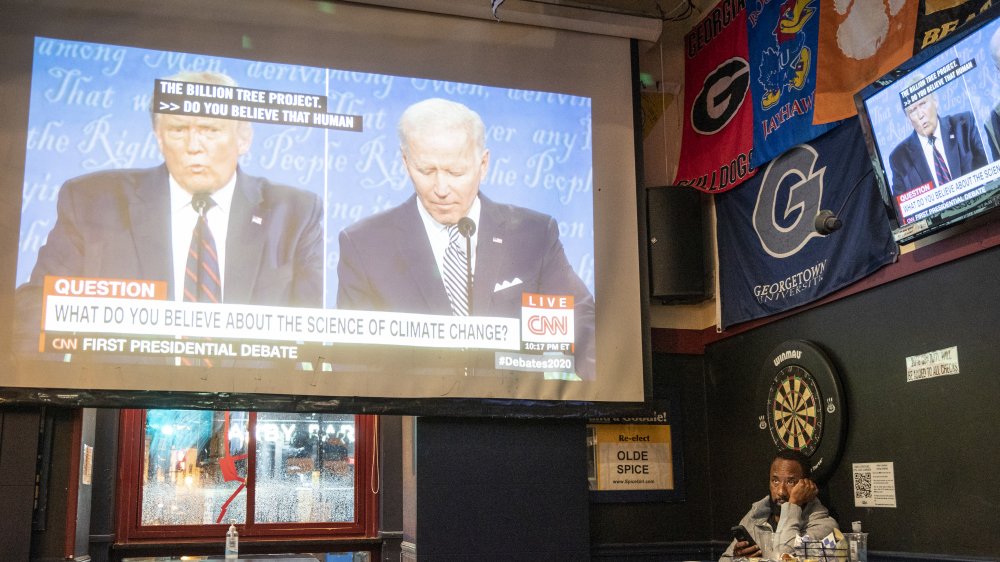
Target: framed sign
(635, 458)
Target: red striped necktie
(940, 164)
(202, 282)
(201, 274)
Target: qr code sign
(874, 484)
(863, 485)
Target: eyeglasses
(777, 482)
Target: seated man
(790, 509)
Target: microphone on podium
(467, 227)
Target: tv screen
(355, 207)
(932, 131)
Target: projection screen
(329, 257)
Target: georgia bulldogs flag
(771, 257)
(718, 125)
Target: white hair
(438, 113)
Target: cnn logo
(547, 318)
(541, 325)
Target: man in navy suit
(993, 122)
(939, 149)
(395, 260)
(139, 223)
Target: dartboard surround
(804, 409)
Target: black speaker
(676, 244)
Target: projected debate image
(203, 212)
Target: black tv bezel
(906, 233)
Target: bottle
(232, 543)
(857, 543)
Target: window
(191, 473)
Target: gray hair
(910, 81)
(438, 113)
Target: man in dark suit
(939, 149)
(993, 122)
(396, 260)
(139, 224)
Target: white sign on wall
(933, 364)
(874, 484)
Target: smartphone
(740, 534)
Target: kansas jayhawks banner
(859, 41)
(718, 134)
(783, 36)
(771, 258)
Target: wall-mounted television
(322, 274)
(932, 131)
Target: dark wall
(50, 543)
(661, 528)
(940, 433)
(18, 448)
(499, 490)
(390, 485)
(102, 514)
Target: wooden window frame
(129, 527)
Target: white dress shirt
(437, 233)
(929, 153)
(183, 219)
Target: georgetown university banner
(771, 258)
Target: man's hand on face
(803, 492)
(743, 548)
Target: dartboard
(804, 409)
(796, 412)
